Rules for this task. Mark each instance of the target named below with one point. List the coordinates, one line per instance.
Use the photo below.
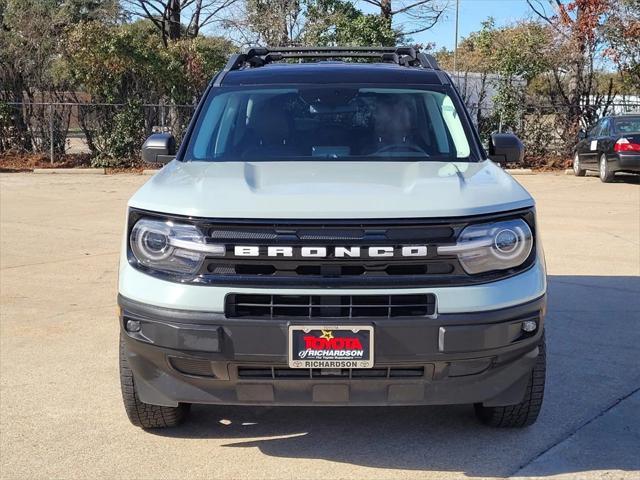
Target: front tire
(578, 171)
(143, 414)
(606, 175)
(526, 412)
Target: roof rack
(260, 56)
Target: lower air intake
(200, 368)
(329, 306)
(283, 373)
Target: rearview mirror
(506, 148)
(159, 148)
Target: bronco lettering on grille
(331, 252)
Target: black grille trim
(285, 373)
(328, 306)
(352, 270)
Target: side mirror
(159, 148)
(506, 148)
(582, 134)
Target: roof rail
(260, 56)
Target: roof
(396, 65)
(332, 72)
(620, 116)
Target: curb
(520, 171)
(72, 171)
(589, 173)
(150, 172)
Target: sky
(472, 14)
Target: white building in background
(478, 90)
(621, 104)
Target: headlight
(170, 247)
(492, 246)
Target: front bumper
(186, 356)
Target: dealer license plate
(330, 346)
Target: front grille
(329, 306)
(331, 270)
(344, 271)
(284, 373)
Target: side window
(209, 123)
(444, 121)
(595, 130)
(606, 128)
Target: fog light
(529, 326)
(133, 326)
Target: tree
(622, 32)
(503, 61)
(414, 16)
(337, 22)
(129, 61)
(31, 35)
(472, 71)
(168, 15)
(128, 65)
(514, 54)
(274, 22)
(310, 22)
(577, 44)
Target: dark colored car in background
(612, 145)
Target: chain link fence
(101, 130)
(111, 134)
(544, 129)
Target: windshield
(328, 122)
(627, 125)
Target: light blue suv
(332, 233)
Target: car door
(583, 143)
(605, 139)
(589, 146)
(582, 147)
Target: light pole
(455, 43)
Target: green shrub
(121, 139)
(13, 132)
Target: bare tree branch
(409, 7)
(540, 11)
(427, 27)
(406, 15)
(146, 5)
(543, 16)
(170, 16)
(214, 13)
(194, 23)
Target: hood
(330, 190)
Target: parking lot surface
(60, 407)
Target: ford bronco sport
(332, 233)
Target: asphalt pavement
(60, 407)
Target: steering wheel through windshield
(400, 147)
